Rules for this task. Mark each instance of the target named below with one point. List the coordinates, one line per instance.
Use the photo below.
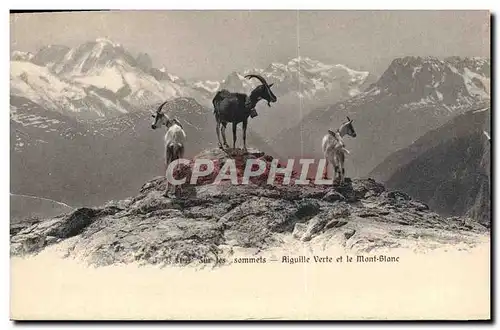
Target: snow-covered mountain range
(96, 79)
(304, 76)
(413, 96)
(101, 78)
(454, 81)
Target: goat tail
(219, 96)
(215, 101)
(176, 150)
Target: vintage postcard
(250, 165)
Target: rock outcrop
(208, 222)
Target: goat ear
(271, 85)
(349, 119)
(331, 132)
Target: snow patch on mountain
(109, 78)
(106, 41)
(208, 85)
(471, 78)
(172, 77)
(41, 86)
(109, 104)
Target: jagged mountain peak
(98, 77)
(415, 60)
(435, 63)
(91, 56)
(303, 76)
(50, 55)
(303, 60)
(105, 67)
(454, 80)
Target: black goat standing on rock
(235, 108)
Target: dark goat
(235, 108)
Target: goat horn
(161, 106)
(262, 80)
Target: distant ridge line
(42, 198)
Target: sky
(212, 44)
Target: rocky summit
(214, 223)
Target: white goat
(175, 138)
(334, 149)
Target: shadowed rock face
(209, 221)
(447, 168)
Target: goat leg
(168, 159)
(245, 123)
(325, 169)
(167, 186)
(337, 173)
(234, 135)
(179, 155)
(178, 190)
(223, 132)
(217, 129)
